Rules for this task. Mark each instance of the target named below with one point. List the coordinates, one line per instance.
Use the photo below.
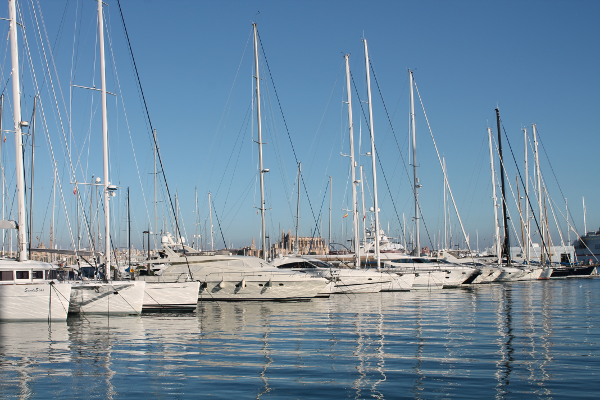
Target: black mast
(506, 244)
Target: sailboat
(510, 271)
(233, 277)
(29, 290)
(106, 297)
(429, 273)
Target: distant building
(306, 245)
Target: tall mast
(352, 166)
(539, 188)
(176, 218)
(520, 212)
(330, 183)
(527, 222)
(496, 227)
(104, 141)
(417, 250)
(196, 237)
(212, 243)
(445, 209)
(31, 184)
(506, 246)
(16, 87)
(129, 231)
(373, 158)
(568, 226)
(364, 210)
(155, 192)
(260, 155)
(584, 223)
(53, 203)
(297, 247)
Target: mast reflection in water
(501, 340)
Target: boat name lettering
(33, 290)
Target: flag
(364, 216)
(345, 215)
(5, 138)
(75, 191)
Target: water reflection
(510, 339)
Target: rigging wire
(552, 169)
(285, 122)
(152, 130)
(522, 184)
(377, 152)
(219, 223)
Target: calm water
(531, 339)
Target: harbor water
(536, 339)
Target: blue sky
(536, 60)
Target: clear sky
(536, 60)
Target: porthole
(281, 284)
(260, 284)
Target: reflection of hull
(400, 282)
(261, 287)
(34, 302)
(165, 297)
(573, 272)
(107, 298)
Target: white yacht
(520, 273)
(170, 296)
(232, 277)
(111, 298)
(29, 291)
(343, 280)
(430, 273)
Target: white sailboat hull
(112, 298)
(164, 297)
(34, 302)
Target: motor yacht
(232, 277)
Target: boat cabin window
(288, 265)
(52, 274)
(421, 261)
(22, 274)
(38, 274)
(6, 276)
